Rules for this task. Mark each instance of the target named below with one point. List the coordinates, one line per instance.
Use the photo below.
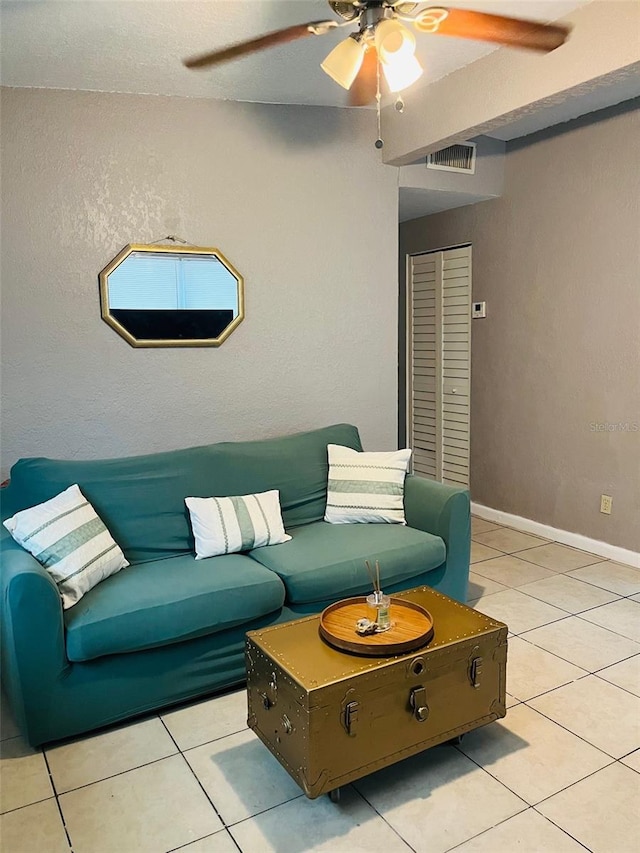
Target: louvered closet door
(424, 365)
(440, 365)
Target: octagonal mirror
(168, 296)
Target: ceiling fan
(382, 41)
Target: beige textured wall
(557, 260)
(276, 189)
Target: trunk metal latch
(475, 671)
(351, 718)
(270, 696)
(418, 703)
(349, 708)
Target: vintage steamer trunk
(331, 717)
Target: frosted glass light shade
(394, 41)
(402, 72)
(344, 61)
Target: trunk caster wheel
(455, 741)
(334, 795)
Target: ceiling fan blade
(365, 87)
(513, 32)
(272, 39)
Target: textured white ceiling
(137, 46)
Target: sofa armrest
(444, 511)
(33, 643)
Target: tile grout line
(544, 625)
(511, 817)
(586, 673)
(543, 539)
(500, 526)
(137, 767)
(575, 734)
(115, 775)
(554, 573)
(226, 826)
(570, 577)
(557, 606)
(570, 612)
(383, 818)
(633, 769)
(571, 784)
(612, 683)
(631, 752)
(181, 754)
(213, 740)
(611, 631)
(263, 811)
(557, 826)
(566, 660)
(495, 778)
(26, 806)
(58, 804)
(552, 689)
(618, 595)
(586, 621)
(204, 838)
(519, 553)
(544, 799)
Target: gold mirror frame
(128, 250)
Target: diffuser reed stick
(372, 577)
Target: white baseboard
(565, 537)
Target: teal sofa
(170, 628)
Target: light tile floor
(560, 774)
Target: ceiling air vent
(455, 158)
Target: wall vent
(454, 158)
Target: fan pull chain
(379, 141)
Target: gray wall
(557, 259)
(296, 198)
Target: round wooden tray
(412, 628)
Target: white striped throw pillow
(228, 525)
(365, 487)
(68, 538)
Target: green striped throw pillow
(365, 487)
(228, 525)
(68, 538)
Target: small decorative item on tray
(364, 627)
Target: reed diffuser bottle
(378, 604)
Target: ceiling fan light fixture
(394, 42)
(402, 73)
(344, 62)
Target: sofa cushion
(326, 561)
(141, 498)
(167, 601)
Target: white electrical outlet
(478, 309)
(605, 504)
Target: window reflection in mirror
(163, 296)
